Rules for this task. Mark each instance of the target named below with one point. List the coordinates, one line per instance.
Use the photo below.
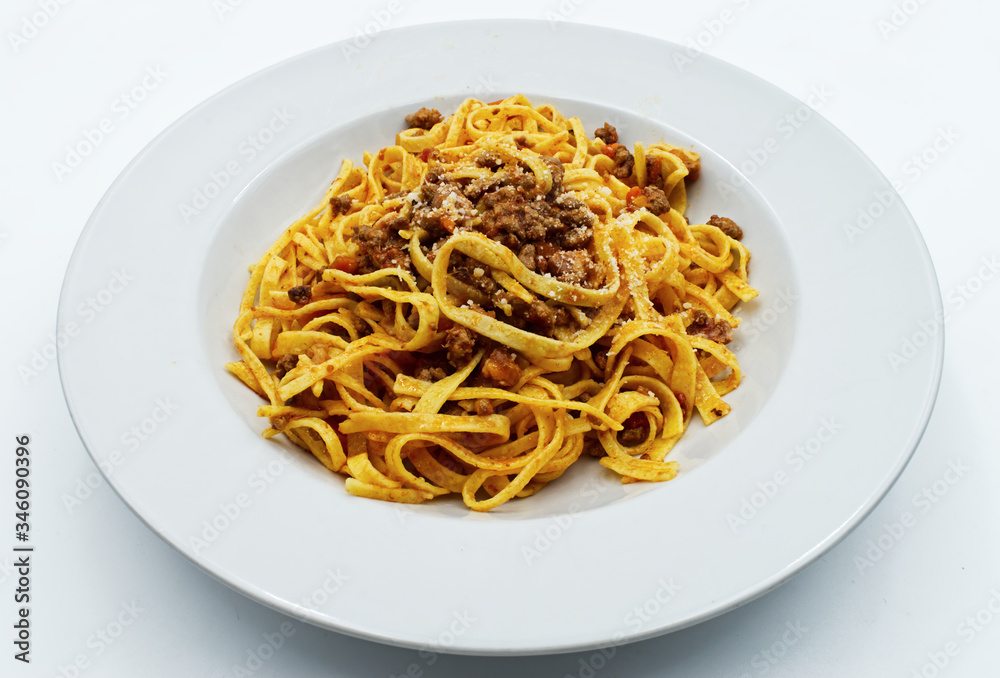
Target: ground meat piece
(434, 174)
(717, 330)
(484, 407)
(300, 294)
(520, 179)
(682, 401)
(380, 246)
(442, 196)
(464, 268)
(501, 368)
(658, 203)
(478, 187)
(413, 319)
(577, 237)
(445, 208)
(572, 266)
(285, 364)
(425, 118)
(541, 314)
(654, 172)
(527, 256)
(508, 240)
(574, 212)
(727, 226)
(540, 218)
(430, 220)
(431, 373)
(563, 318)
(624, 163)
(636, 430)
(489, 159)
(607, 134)
(631, 437)
(569, 203)
(430, 187)
(510, 175)
(600, 357)
(693, 168)
(505, 194)
(544, 250)
(340, 204)
(506, 210)
(460, 342)
(556, 167)
(503, 211)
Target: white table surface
(110, 599)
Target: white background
(902, 75)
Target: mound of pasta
(488, 300)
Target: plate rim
(499, 26)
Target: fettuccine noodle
(495, 295)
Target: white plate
(821, 427)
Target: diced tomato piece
(345, 263)
(637, 420)
(635, 199)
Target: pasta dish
(494, 296)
